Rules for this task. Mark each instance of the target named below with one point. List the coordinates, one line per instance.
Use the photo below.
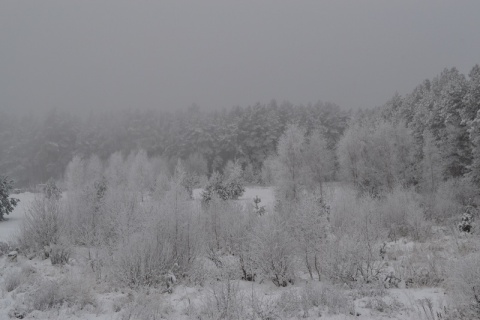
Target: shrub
(421, 268)
(42, 225)
(49, 294)
(274, 251)
(353, 254)
(401, 214)
(59, 254)
(16, 277)
(225, 301)
(13, 279)
(142, 260)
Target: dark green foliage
(229, 189)
(7, 204)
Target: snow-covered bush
(225, 301)
(401, 214)
(43, 225)
(16, 277)
(59, 254)
(309, 226)
(274, 250)
(142, 260)
(70, 291)
(12, 278)
(421, 268)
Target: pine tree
(7, 204)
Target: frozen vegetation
(377, 219)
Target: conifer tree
(7, 204)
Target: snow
(187, 300)
(11, 225)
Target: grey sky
(170, 54)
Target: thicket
(136, 217)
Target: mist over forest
(439, 113)
(215, 160)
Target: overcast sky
(169, 54)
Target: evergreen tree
(7, 204)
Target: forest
(35, 149)
(145, 214)
(435, 126)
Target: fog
(84, 55)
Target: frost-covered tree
(116, 171)
(319, 160)
(140, 175)
(75, 174)
(431, 164)
(309, 227)
(350, 153)
(291, 172)
(377, 156)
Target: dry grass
(14, 278)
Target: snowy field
(12, 223)
(188, 301)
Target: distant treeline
(34, 149)
(428, 135)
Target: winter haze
(228, 160)
(84, 55)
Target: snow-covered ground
(10, 226)
(189, 301)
